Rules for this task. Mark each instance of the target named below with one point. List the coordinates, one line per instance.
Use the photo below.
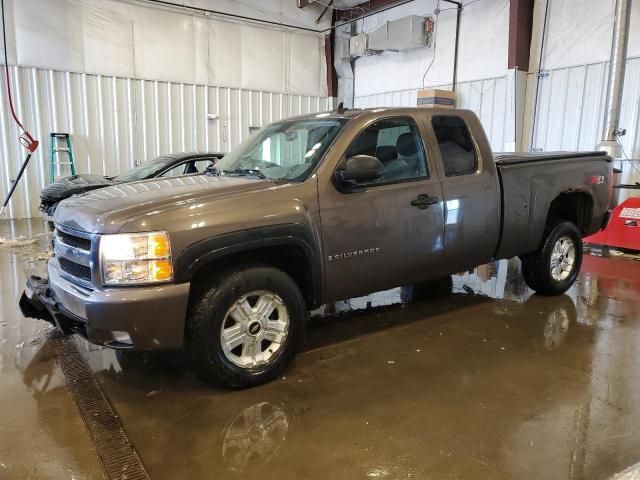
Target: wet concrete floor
(484, 381)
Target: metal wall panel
(116, 122)
(488, 98)
(570, 111)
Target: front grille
(74, 241)
(77, 270)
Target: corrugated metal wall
(489, 98)
(570, 111)
(116, 122)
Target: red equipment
(623, 229)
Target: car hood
(68, 186)
(107, 210)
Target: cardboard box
(434, 98)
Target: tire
(232, 301)
(537, 269)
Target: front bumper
(136, 318)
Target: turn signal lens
(160, 270)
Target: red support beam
(329, 44)
(365, 7)
(520, 25)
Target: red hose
(25, 137)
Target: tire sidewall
(216, 304)
(559, 230)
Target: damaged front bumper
(135, 318)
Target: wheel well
(291, 259)
(575, 207)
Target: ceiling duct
(406, 33)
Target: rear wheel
(554, 267)
(244, 329)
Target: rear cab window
(456, 146)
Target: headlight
(135, 258)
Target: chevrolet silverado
(306, 211)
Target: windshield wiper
(254, 172)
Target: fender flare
(202, 253)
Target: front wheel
(554, 267)
(245, 327)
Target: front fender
(208, 250)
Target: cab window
(456, 146)
(397, 144)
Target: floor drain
(118, 456)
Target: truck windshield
(286, 150)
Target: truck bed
(532, 181)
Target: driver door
(382, 234)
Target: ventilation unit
(405, 33)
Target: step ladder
(60, 144)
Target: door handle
(424, 201)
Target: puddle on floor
(485, 380)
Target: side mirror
(362, 168)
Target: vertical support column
(343, 65)
(329, 52)
(615, 83)
(520, 28)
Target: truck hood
(108, 209)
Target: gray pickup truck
(307, 211)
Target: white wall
(485, 84)
(482, 51)
(131, 81)
(579, 32)
(139, 40)
(571, 98)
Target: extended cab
(306, 211)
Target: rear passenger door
(470, 188)
(388, 231)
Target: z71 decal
(633, 213)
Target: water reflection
(557, 327)
(482, 380)
(254, 436)
(261, 436)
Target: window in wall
(187, 168)
(456, 146)
(397, 144)
(180, 169)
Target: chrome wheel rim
(254, 329)
(563, 257)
